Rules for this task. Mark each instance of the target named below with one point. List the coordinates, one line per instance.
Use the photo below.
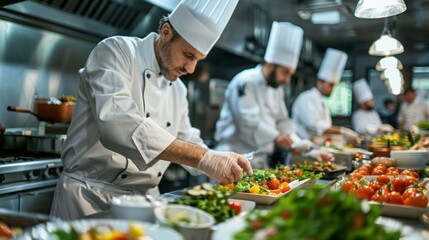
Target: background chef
(131, 117)
(366, 120)
(254, 115)
(311, 116)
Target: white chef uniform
(253, 113)
(412, 113)
(364, 121)
(127, 113)
(309, 113)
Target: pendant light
(386, 45)
(379, 8)
(388, 62)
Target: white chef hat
(362, 91)
(332, 66)
(284, 45)
(201, 22)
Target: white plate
(44, 231)
(267, 199)
(403, 211)
(245, 205)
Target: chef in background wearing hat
(131, 117)
(366, 120)
(254, 115)
(311, 116)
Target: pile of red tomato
(388, 188)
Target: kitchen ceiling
(411, 28)
(103, 18)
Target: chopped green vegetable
(318, 213)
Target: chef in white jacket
(311, 116)
(254, 115)
(131, 117)
(366, 120)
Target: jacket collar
(149, 61)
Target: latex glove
(224, 167)
(320, 155)
(303, 145)
(386, 128)
(349, 133)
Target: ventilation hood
(94, 18)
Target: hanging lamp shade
(379, 8)
(386, 45)
(388, 62)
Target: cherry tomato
(394, 197)
(364, 192)
(398, 184)
(274, 183)
(284, 187)
(256, 224)
(235, 206)
(410, 172)
(384, 179)
(375, 185)
(285, 214)
(355, 176)
(379, 197)
(410, 180)
(416, 200)
(347, 185)
(408, 192)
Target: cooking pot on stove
(48, 110)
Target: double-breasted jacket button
(123, 176)
(159, 174)
(148, 75)
(168, 124)
(147, 115)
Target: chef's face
(368, 105)
(279, 76)
(325, 88)
(176, 57)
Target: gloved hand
(320, 155)
(347, 132)
(224, 167)
(386, 128)
(303, 146)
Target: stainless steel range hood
(94, 18)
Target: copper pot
(49, 112)
(55, 112)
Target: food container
(191, 222)
(410, 159)
(134, 207)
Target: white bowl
(196, 226)
(132, 207)
(410, 159)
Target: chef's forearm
(333, 130)
(182, 152)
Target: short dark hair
(166, 20)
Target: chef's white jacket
(366, 122)
(310, 115)
(410, 114)
(127, 113)
(253, 115)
